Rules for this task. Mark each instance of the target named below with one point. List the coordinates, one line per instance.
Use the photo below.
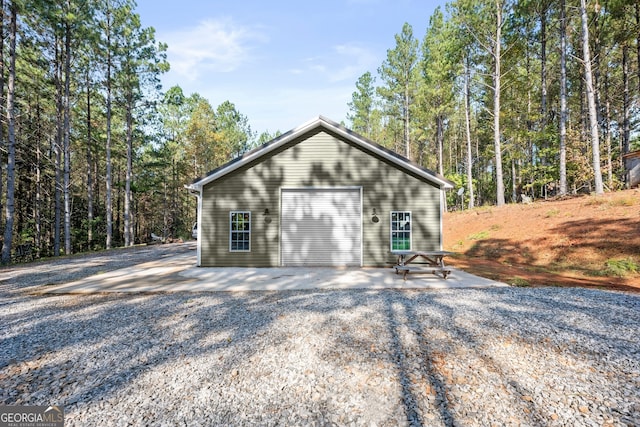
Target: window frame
(243, 232)
(400, 230)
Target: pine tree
(11, 134)
(399, 73)
(439, 70)
(362, 105)
(591, 99)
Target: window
(240, 231)
(400, 231)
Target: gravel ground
(20, 277)
(470, 357)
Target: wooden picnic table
(432, 261)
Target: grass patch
(625, 201)
(595, 201)
(458, 245)
(520, 282)
(478, 236)
(597, 273)
(551, 213)
(495, 227)
(622, 267)
(616, 268)
(539, 269)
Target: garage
(318, 195)
(321, 227)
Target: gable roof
(329, 125)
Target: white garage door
(321, 227)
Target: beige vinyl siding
(317, 159)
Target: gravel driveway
(470, 357)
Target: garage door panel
(321, 227)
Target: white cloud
(219, 45)
(360, 60)
(345, 63)
(278, 108)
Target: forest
(507, 99)
(511, 99)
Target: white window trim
(391, 230)
(243, 231)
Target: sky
(282, 63)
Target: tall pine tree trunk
(467, 116)
(638, 41)
(108, 178)
(563, 99)
(514, 181)
(37, 209)
(440, 142)
(11, 134)
(626, 110)
(128, 235)
(591, 100)
(496, 107)
(37, 206)
(626, 103)
(89, 167)
(543, 68)
(607, 131)
(406, 121)
(67, 142)
(58, 151)
(2, 142)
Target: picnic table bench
(432, 261)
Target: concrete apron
(178, 274)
